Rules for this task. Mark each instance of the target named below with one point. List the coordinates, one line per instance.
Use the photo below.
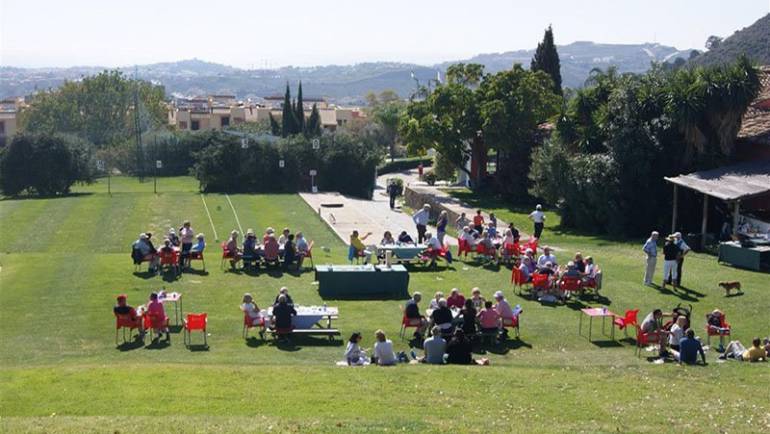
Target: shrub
(401, 164)
(430, 177)
(444, 169)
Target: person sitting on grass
(387, 239)
(158, 318)
(489, 319)
(477, 298)
(358, 248)
(435, 348)
(283, 313)
(689, 348)
(354, 354)
(122, 309)
(405, 239)
(249, 252)
(289, 252)
(442, 317)
(676, 333)
(413, 315)
(459, 351)
(200, 244)
(455, 299)
(284, 291)
(736, 350)
(468, 315)
(142, 250)
(383, 350)
(233, 252)
(251, 310)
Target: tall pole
(155, 172)
(704, 222)
(674, 211)
(138, 128)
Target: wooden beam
(704, 223)
(736, 216)
(674, 210)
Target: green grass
(64, 259)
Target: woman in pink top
(489, 319)
(157, 315)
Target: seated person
(284, 236)
(200, 244)
(492, 230)
(676, 334)
(442, 317)
(233, 252)
(689, 348)
(143, 250)
(579, 262)
(503, 307)
(478, 300)
(167, 248)
(653, 324)
(547, 269)
(508, 240)
(272, 249)
(736, 350)
(412, 313)
(592, 276)
(172, 236)
(436, 297)
(547, 256)
(387, 239)
(358, 248)
(489, 319)
(455, 299)
(489, 245)
(285, 292)
(128, 313)
(383, 350)
(289, 252)
(459, 350)
(303, 248)
(354, 354)
(523, 266)
(468, 236)
(572, 270)
(251, 310)
(283, 313)
(714, 320)
(435, 347)
(269, 232)
(404, 238)
(468, 315)
(432, 241)
(158, 319)
(249, 253)
(515, 232)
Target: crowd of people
(284, 250)
(183, 243)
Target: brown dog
(730, 285)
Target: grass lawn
(64, 260)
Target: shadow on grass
(33, 197)
(175, 328)
(145, 274)
(296, 342)
(194, 348)
(607, 344)
(158, 344)
(682, 293)
(195, 272)
(255, 342)
(131, 345)
(501, 347)
(734, 294)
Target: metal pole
(109, 187)
(736, 216)
(674, 211)
(704, 223)
(155, 172)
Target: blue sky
(303, 33)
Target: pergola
(731, 184)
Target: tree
(44, 164)
(546, 59)
(288, 119)
(275, 127)
(313, 127)
(713, 42)
(299, 111)
(385, 110)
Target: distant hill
(754, 41)
(344, 84)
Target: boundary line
(211, 222)
(237, 220)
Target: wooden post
(704, 223)
(674, 210)
(736, 216)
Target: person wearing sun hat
(670, 255)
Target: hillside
(754, 41)
(345, 84)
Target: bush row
(401, 164)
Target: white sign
(313, 172)
(316, 144)
(99, 164)
(315, 189)
(244, 143)
(281, 163)
(158, 164)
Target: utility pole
(138, 128)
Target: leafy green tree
(313, 127)
(386, 110)
(275, 127)
(546, 59)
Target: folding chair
(195, 322)
(248, 324)
(643, 339)
(540, 282)
(463, 248)
(512, 323)
(517, 278)
(723, 330)
(197, 256)
(309, 253)
(152, 322)
(125, 322)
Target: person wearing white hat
(684, 249)
(538, 218)
(143, 250)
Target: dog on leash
(730, 285)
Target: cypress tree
(546, 59)
(288, 123)
(275, 128)
(299, 111)
(313, 127)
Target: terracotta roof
(755, 126)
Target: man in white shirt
(684, 249)
(650, 249)
(420, 219)
(546, 257)
(538, 217)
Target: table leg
(590, 327)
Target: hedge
(401, 164)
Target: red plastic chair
(226, 254)
(570, 284)
(643, 339)
(169, 259)
(517, 278)
(154, 322)
(463, 248)
(511, 249)
(721, 331)
(406, 323)
(540, 282)
(248, 324)
(195, 321)
(309, 253)
(532, 244)
(198, 256)
(627, 321)
(125, 322)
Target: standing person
(478, 222)
(670, 255)
(461, 222)
(186, 237)
(393, 192)
(420, 219)
(684, 249)
(538, 217)
(650, 249)
(443, 220)
(493, 219)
